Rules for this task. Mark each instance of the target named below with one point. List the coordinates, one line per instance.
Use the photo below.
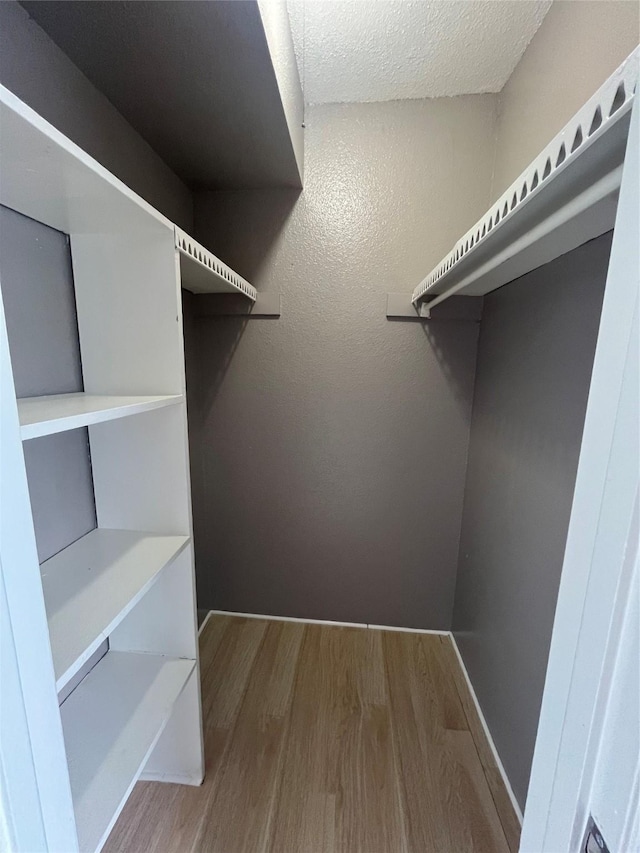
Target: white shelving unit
(58, 412)
(79, 726)
(93, 584)
(111, 723)
(565, 197)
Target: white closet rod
(603, 190)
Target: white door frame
(599, 549)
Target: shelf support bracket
(401, 307)
(236, 305)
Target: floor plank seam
(490, 785)
(227, 747)
(279, 788)
(401, 794)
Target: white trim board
(487, 732)
(171, 778)
(204, 622)
(598, 545)
(324, 622)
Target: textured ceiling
(384, 50)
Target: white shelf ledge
(111, 722)
(90, 587)
(47, 415)
(202, 272)
(568, 195)
(46, 176)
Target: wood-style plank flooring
(320, 739)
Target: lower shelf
(111, 723)
(59, 412)
(90, 587)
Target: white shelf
(202, 272)
(111, 723)
(90, 587)
(46, 176)
(567, 195)
(136, 589)
(46, 415)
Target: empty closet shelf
(111, 722)
(59, 412)
(202, 272)
(90, 587)
(567, 196)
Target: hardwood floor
(321, 739)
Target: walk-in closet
(319, 423)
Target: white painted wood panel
(92, 585)
(178, 756)
(613, 773)
(599, 547)
(111, 723)
(49, 178)
(29, 700)
(129, 315)
(140, 472)
(59, 412)
(163, 620)
(21, 824)
(127, 283)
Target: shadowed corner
(241, 227)
(442, 331)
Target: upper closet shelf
(568, 195)
(60, 412)
(202, 272)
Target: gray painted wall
(39, 302)
(576, 48)
(535, 357)
(39, 73)
(329, 446)
(61, 489)
(40, 306)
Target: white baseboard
(173, 778)
(205, 620)
(288, 619)
(323, 622)
(409, 630)
(487, 733)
